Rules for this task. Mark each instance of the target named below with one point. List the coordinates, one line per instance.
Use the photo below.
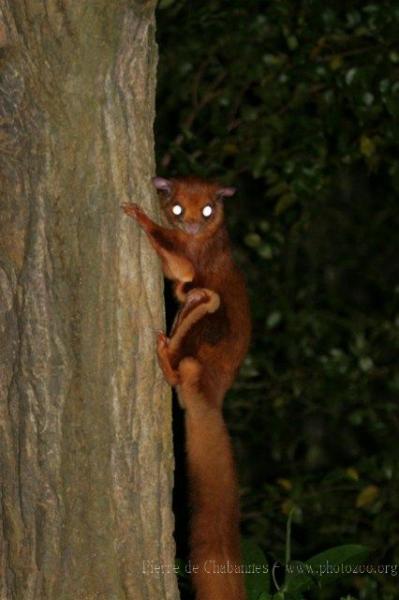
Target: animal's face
(192, 204)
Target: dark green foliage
(316, 573)
(257, 571)
(297, 104)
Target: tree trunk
(85, 435)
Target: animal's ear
(163, 185)
(226, 192)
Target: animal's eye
(207, 210)
(177, 210)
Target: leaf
(350, 75)
(253, 240)
(257, 578)
(366, 363)
(278, 189)
(266, 252)
(336, 63)
(352, 473)
(287, 506)
(292, 42)
(264, 596)
(367, 146)
(284, 202)
(325, 567)
(367, 496)
(297, 578)
(284, 483)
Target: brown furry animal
(208, 341)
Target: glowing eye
(177, 210)
(207, 210)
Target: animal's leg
(199, 302)
(166, 242)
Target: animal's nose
(192, 227)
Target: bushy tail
(214, 538)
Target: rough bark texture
(85, 436)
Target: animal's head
(192, 204)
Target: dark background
(296, 104)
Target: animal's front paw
(131, 209)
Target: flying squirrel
(200, 358)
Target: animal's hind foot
(171, 375)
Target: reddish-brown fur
(208, 341)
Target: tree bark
(85, 434)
